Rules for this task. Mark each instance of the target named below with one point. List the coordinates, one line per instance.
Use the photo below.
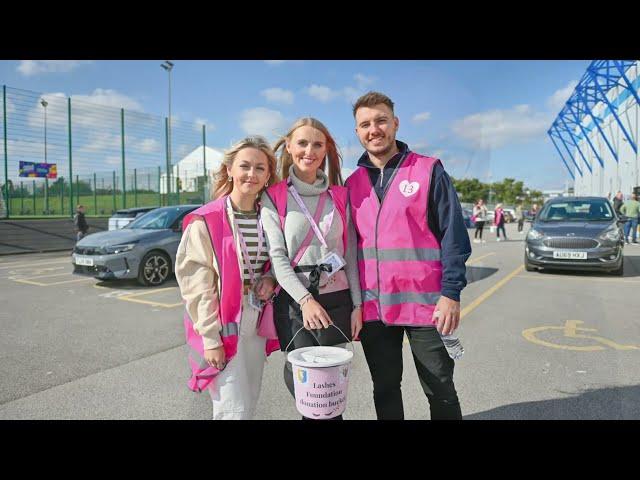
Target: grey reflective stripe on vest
(399, 254)
(368, 295)
(426, 298)
(229, 329)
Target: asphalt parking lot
(558, 345)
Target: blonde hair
(333, 155)
(221, 185)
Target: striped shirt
(248, 226)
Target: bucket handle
(350, 342)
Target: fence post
(77, 190)
(6, 160)
(95, 195)
(21, 199)
(70, 160)
(62, 196)
(113, 189)
(159, 183)
(34, 198)
(204, 163)
(124, 177)
(135, 187)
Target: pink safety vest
(278, 194)
(230, 297)
(398, 256)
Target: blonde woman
(219, 267)
(312, 244)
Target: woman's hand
(264, 288)
(314, 316)
(215, 357)
(356, 322)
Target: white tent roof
(193, 162)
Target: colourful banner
(38, 170)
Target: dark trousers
(382, 347)
(504, 233)
(520, 224)
(479, 227)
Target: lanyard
(305, 210)
(243, 244)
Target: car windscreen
(156, 219)
(576, 211)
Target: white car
(126, 216)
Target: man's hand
(447, 313)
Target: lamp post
(44, 104)
(168, 66)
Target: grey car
(145, 249)
(576, 233)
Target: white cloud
(274, 62)
(111, 98)
(278, 95)
(556, 101)
(35, 67)
(148, 145)
(262, 121)
(203, 121)
(421, 117)
(363, 81)
(321, 93)
(496, 128)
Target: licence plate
(570, 255)
(87, 261)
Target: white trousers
(235, 391)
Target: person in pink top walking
(498, 221)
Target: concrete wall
(23, 236)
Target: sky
(484, 119)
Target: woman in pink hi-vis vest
(314, 258)
(220, 267)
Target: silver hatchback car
(576, 233)
(145, 249)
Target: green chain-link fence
(107, 158)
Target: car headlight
(612, 235)
(118, 248)
(534, 234)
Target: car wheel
(527, 266)
(619, 271)
(155, 268)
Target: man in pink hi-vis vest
(412, 249)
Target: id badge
(254, 302)
(336, 262)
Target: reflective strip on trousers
(425, 298)
(229, 329)
(399, 254)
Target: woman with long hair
(312, 244)
(220, 268)
(480, 217)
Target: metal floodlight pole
(168, 66)
(44, 104)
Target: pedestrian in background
(80, 223)
(520, 217)
(617, 202)
(498, 221)
(631, 209)
(480, 217)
